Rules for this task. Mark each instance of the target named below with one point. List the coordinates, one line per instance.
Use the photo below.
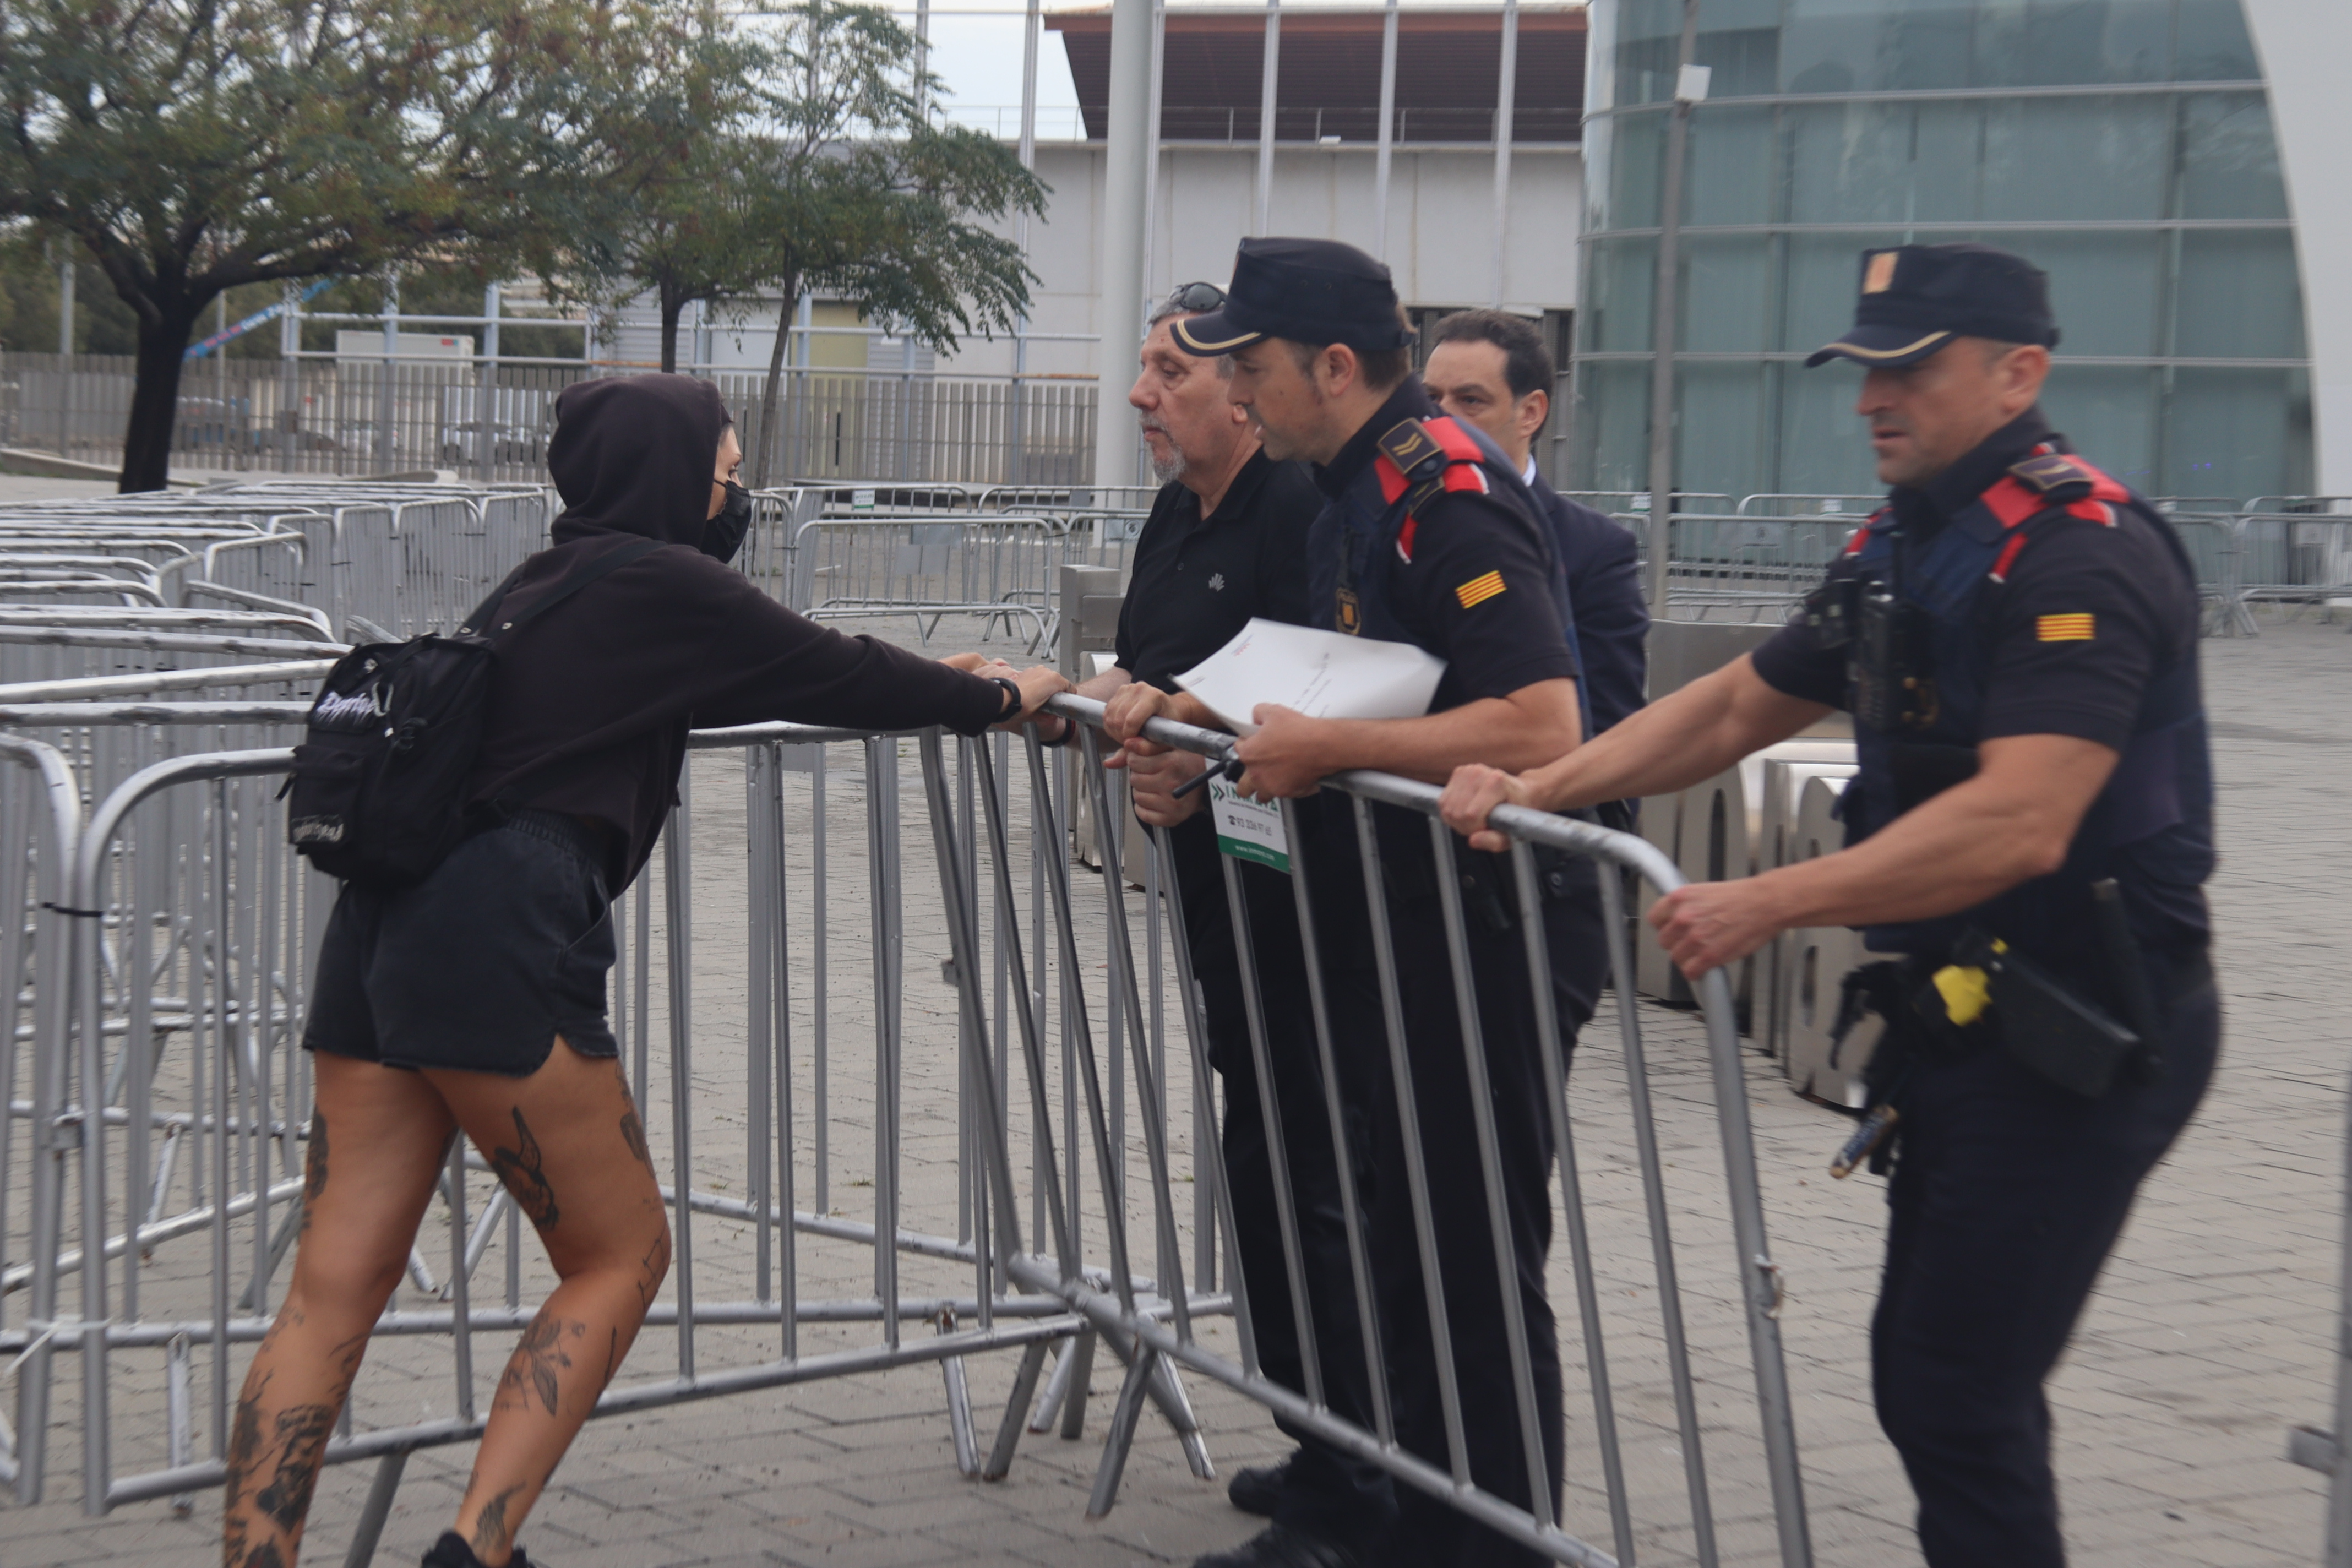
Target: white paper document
(1324, 675)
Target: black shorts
(479, 966)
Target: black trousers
(2006, 1197)
(1430, 1534)
(1330, 1493)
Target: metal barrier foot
(1124, 1416)
(1017, 1410)
(967, 1445)
(379, 1509)
(1081, 1360)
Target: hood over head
(633, 454)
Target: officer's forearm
(1532, 724)
(2013, 821)
(1678, 741)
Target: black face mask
(722, 536)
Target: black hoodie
(606, 685)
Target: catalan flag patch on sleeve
(1478, 590)
(2075, 627)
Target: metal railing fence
(354, 559)
(165, 956)
(186, 982)
(1003, 569)
(362, 418)
(1448, 1477)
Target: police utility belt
(1979, 995)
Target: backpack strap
(626, 555)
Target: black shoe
(1279, 1546)
(452, 1552)
(1257, 1489)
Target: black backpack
(378, 792)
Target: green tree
(684, 225)
(856, 192)
(193, 146)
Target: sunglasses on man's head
(1198, 296)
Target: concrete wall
(2304, 45)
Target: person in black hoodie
(441, 1007)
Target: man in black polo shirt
(1467, 573)
(1226, 540)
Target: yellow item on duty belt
(1965, 990)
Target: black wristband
(1070, 730)
(1013, 700)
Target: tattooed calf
(291, 1450)
(524, 1172)
(538, 1362)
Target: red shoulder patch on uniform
(1404, 538)
(1856, 541)
(2012, 502)
(2095, 509)
(2007, 557)
(1467, 476)
(1458, 445)
(1392, 480)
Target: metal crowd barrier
(1757, 1276)
(359, 558)
(166, 949)
(184, 982)
(998, 568)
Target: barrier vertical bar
(1327, 1071)
(1126, 1000)
(1269, 1102)
(677, 896)
(820, 1104)
(1416, 1159)
(1490, 1166)
(881, 765)
(1580, 1239)
(1758, 1275)
(1208, 1148)
(1662, 1253)
(52, 955)
(780, 957)
(763, 856)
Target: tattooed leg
(538, 1366)
(570, 1148)
(352, 1247)
(524, 1171)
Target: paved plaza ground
(2210, 1333)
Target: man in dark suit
(1490, 369)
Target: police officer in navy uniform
(2015, 633)
(1426, 536)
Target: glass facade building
(2125, 146)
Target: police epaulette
(2056, 478)
(1409, 446)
